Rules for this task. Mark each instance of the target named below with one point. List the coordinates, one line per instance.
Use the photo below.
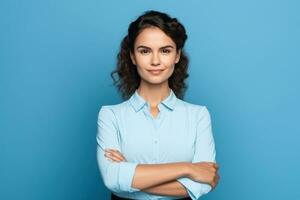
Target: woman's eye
(166, 51)
(144, 51)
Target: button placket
(156, 145)
(155, 121)
(156, 136)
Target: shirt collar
(139, 102)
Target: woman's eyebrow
(145, 47)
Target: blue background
(55, 60)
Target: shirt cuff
(195, 189)
(126, 173)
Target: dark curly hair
(128, 78)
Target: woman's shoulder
(113, 108)
(190, 105)
(194, 109)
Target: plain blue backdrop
(55, 63)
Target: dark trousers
(114, 197)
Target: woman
(154, 145)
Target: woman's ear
(178, 54)
(132, 58)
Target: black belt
(114, 197)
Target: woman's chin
(156, 81)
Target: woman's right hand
(206, 172)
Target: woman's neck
(154, 94)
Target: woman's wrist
(187, 169)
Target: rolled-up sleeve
(204, 152)
(117, 176)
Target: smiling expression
(154, 55)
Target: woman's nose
(155, 59)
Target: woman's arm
(169, 188)
(164, 185)
(149, 175)
(172, 188)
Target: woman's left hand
(114, 155)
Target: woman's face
(154, 56)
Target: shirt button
(155, 141)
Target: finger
(117, 153)
(114, 158)
(213, 164)
(211, 169)
(117, 156)
(124, 159)
(111, 150)
(216, 178)
(111, 155)
(114, 150)
(108, 155)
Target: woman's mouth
(156, 71)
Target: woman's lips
(156, 71)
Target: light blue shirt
(181, 132)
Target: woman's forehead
(153, 38)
